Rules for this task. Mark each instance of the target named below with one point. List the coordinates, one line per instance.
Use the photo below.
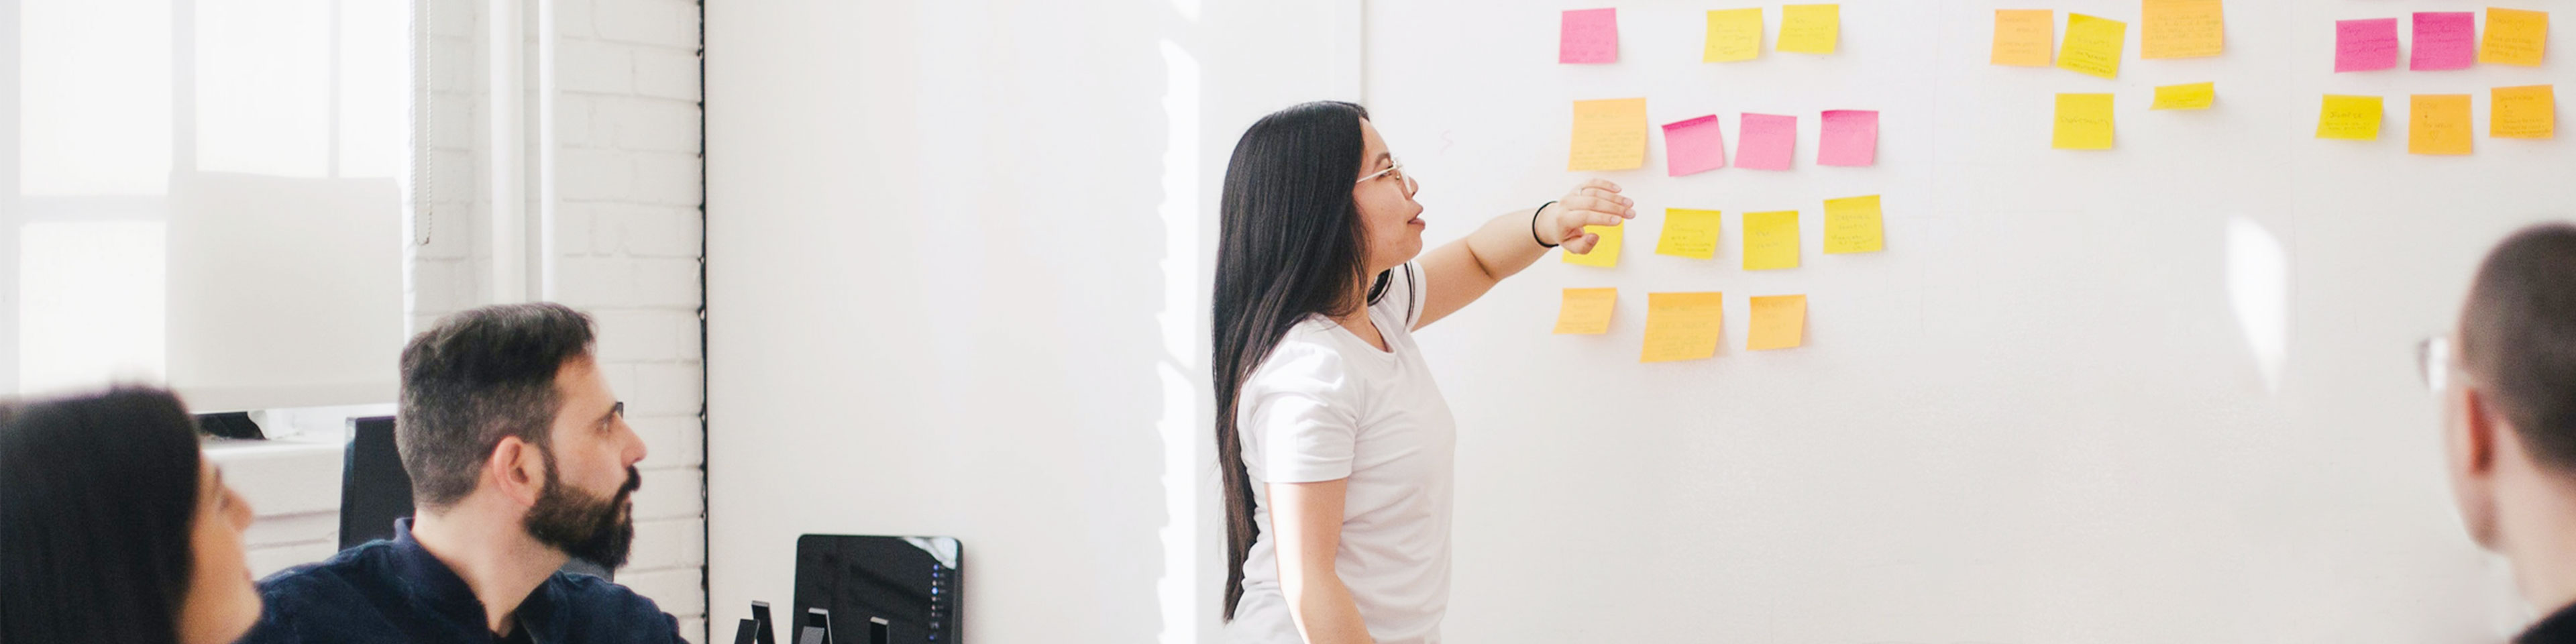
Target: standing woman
(1335, 445)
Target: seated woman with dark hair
(114, 528)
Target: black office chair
(374, 490)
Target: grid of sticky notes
(2095, 46)
(1735, 35)
(1688, 326)
(2442, 124)
(1611, 134)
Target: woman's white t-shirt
(1328, 405)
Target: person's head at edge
(2509, 409)
(1311, 220)
(511, 436)
(114, 528)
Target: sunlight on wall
(1179, 319)
(2258, 288)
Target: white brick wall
(628, 235)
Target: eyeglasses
(1394, 170)
(2435, 358)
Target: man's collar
(2557, 628)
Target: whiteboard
(2163, 393)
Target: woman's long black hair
(1291, 246)
(98, 497)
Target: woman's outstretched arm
(1461, 271)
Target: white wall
(957, 258)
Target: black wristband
(1542, 242)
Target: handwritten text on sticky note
(2023, 37)
(1779, 322)
(2351, 118)
(1689, 233)
(1609, 134)
(1733, 35)
(1810, 28)
(2529, 112)
(2439, 124)
(2445, 40)
(2514, 37)
(2093, 45)
(2365, 45)
(2084, 122)
(2181, 29)
(1852, 225)
(1770, 240)
(1586, 311)
(1683, 326)
(1588, 36)
(2189, 96)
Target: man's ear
(517, 470)
(2477, 442)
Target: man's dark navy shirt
(394, 591)
(2557, 628)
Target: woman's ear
(517, 470)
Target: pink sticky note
(1768, 142)
(2365, 45)
(1589, 36)
(2445, 40)
(1694, 146)
(1850, 139)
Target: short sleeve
(1299, 423)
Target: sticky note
(2083, 122)
(2514, 37)
(1810, 28)
(1588, 36)
(2093, 45)
(1609, 134)
(2190, 96)
(1852, 226)
(1733, 35)
(1689, 233)
(1770, 240)
(2023, 37)
(1769, 142)
(1694, 146)
(1850, 139)
(2445, 40)
(1604, 254)
(1586, 311)
(2365, 45)
(2352, 118)
(1779, 322)
(2523, 113)
(2439, 124)
(2181, 29)
(1683, 326)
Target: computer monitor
(912, 583)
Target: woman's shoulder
(1309, 355)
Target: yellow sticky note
(1733, 35)
(1604, 254)
(2084, 122)
(2023, 37)
(2529, 112)
(2352, 118)
(2093, 45)
(2192, 96)
(2439, 124)
(1770, 240)
(1852, 225)
(2181, 29)
(2514, 37)
(1683, 326)
(1779, 322)
(1609, 134)
(1810, 28)
(1586, 311)
(1689, 233)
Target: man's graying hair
(477, 377)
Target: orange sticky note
(2529, 112)
(1586, 311)
(2439, 124)
(2023, 37)
(1779, 322)
(1604, 254)
(2084, 122)
(1770, 240)
(2351, 118)
(1689, 233)
(2093, 45)
(1609, 134)
(1852, 225)
(1733, 35)
(1683, 326)
(2515, 37)
(2181, 29)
